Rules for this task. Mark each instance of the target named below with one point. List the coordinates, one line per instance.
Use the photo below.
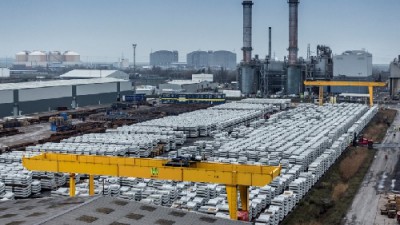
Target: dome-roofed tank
(22, 56)
(70, 56)
(37, 56)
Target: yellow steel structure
(368, 84)
(234, 176)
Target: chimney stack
(247, 28)
(293, 28)
(269, 43)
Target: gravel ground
(29, 133)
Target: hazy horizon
(105, 30)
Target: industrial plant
(267, 76)
(302, 140)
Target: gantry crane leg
(371, 95)
(231, 192)
(321, 95)
(91, 185)
(232, 195)
(244, 197)
(72, 184)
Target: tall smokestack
(269, 43)
(247, 27)
(293, 27)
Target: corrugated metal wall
(44, 93)
(126, 86)
(6, 96)
(176, 87)
(45, 99)
(91, 89)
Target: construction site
(203, 158)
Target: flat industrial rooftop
(99, 211)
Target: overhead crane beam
(234, 176)
(322, 83)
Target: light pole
(134, 57)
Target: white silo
(21, 57)
(71, 57)
(37, 56)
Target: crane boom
(234, 176)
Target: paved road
(365, 209)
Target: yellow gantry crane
(234, 176)
(368, 84)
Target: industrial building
(122, 63)
(198, 83)
(394, 78)
(356, 63)
(203, 77)
(352, 65)
(85, 74)
(145, 89)
(43, 59)
(163, 58)
(4, 72)
(216, 59)
(187, 86)
(31, 97)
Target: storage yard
(305, 141)
(274, 138)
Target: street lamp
(134, 57)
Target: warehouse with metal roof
(84, 74)
(32, 97)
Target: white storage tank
(21, 57)
(70, 56)
(37, 56)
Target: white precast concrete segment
(306, 141)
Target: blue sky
(103, 30)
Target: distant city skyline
(104, 30)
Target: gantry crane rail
(234, 176)
(322, 83)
